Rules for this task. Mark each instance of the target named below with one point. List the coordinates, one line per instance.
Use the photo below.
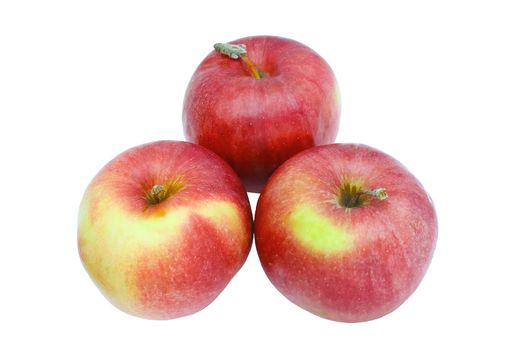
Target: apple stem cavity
(239, 51)
(353, 196)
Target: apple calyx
(354, 196)
(235, 51)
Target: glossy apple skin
(344, 264)
(173, 258)
(255, 125)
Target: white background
(439, 85)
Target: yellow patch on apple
(317, 232)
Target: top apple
(258, 101)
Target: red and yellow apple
(163, 228)
(258, 101)
(345, 232)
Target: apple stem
(156, 195)
(379, 193)
(239, 51)
(352, 196)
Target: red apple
(259, 104)
(345, 232)
(163, 228)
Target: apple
(258, 101)
(345, 232)
(163, 228)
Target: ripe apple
(163, 228)
(258, 101)
(345, 232)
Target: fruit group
(163, 228)
(260, 109)
(345, 232)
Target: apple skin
(344, 264)
(173, 258)
(255, 125)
